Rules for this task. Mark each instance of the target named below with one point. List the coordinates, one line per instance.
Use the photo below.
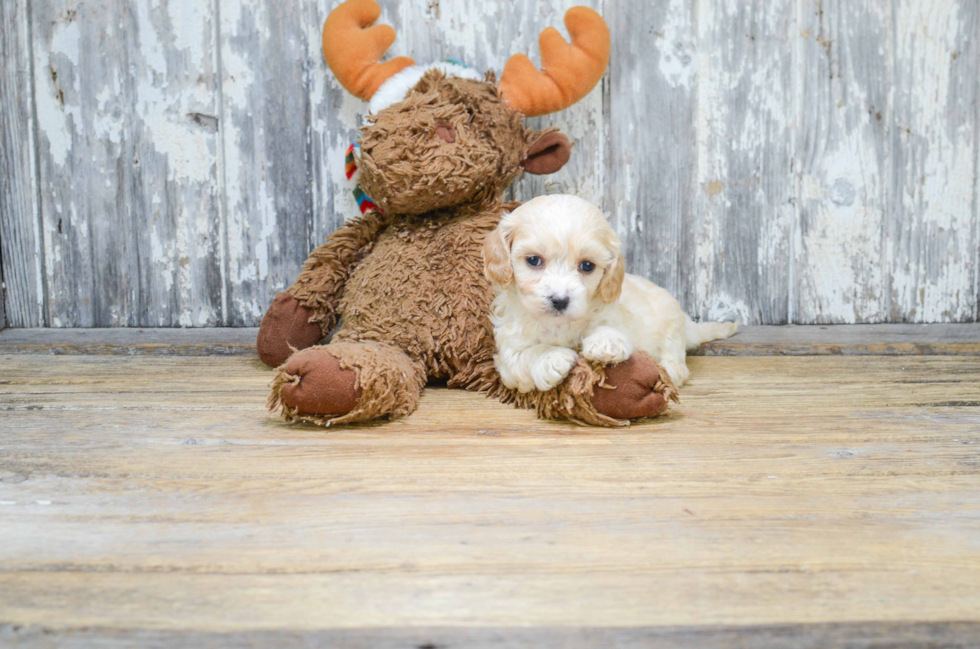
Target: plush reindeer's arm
(321, 284)
(596, 394)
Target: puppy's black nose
(559, 303)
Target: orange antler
(569, 71)
(353, 48)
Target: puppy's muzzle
(559, 304)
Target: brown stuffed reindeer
(406, 281)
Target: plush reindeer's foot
(641, 388)
(312, 382)
(345, 382)
(286, 324)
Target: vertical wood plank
(21, 299)
(267, 150)
(976, 189)
(287, 125)
(932, 250)
(3, 290)
(127, 114)
(976, 180)
(843, 154)
(746, 191)
(651, 162)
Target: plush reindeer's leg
(344, 382)
(609, 396)
(300, 316)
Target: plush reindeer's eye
(534, 261)
(586, 267)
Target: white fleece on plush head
(394, 89)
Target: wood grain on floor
(155, 495)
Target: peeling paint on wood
(128, 175)
(651, 165)
(843, 158)
(932, 252)
(267, 134)
(789, 161)
(22, 297)
(746, 96)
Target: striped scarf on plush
(364, 201)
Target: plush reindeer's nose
(446, 132)
(559, 303)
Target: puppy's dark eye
(534, 261)
(586, 267)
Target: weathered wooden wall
(171, 162)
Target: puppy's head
(559, 255)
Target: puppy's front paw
(607, 345)
(552, 367)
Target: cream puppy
(562, 289)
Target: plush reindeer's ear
(496, 258)
(548, 154)
(611, 284)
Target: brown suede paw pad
(315, 384)
(642, 389)
(286, 325)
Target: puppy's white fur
(609, 314)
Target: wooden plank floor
(788, 501)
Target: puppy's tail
(702, 332)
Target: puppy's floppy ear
(611, 284)
(496, 258)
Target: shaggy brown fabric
(594, 395)
(321, 284)
(407, 169)
(398, 295)
(570, 400)
(287, 325)
(409, 287)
